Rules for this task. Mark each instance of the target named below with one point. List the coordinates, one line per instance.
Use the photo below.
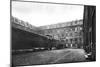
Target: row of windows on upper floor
(22, 23)
(72, 23)
(60, 31)
(65, 35)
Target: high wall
(23, 37)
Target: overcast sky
(39, 14)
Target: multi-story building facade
(70, 33)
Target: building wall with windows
(70, 33)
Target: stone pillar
(89, 22)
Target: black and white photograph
(45, 33)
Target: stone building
(70, 33)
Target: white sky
(39, 14)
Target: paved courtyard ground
(49, 57)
